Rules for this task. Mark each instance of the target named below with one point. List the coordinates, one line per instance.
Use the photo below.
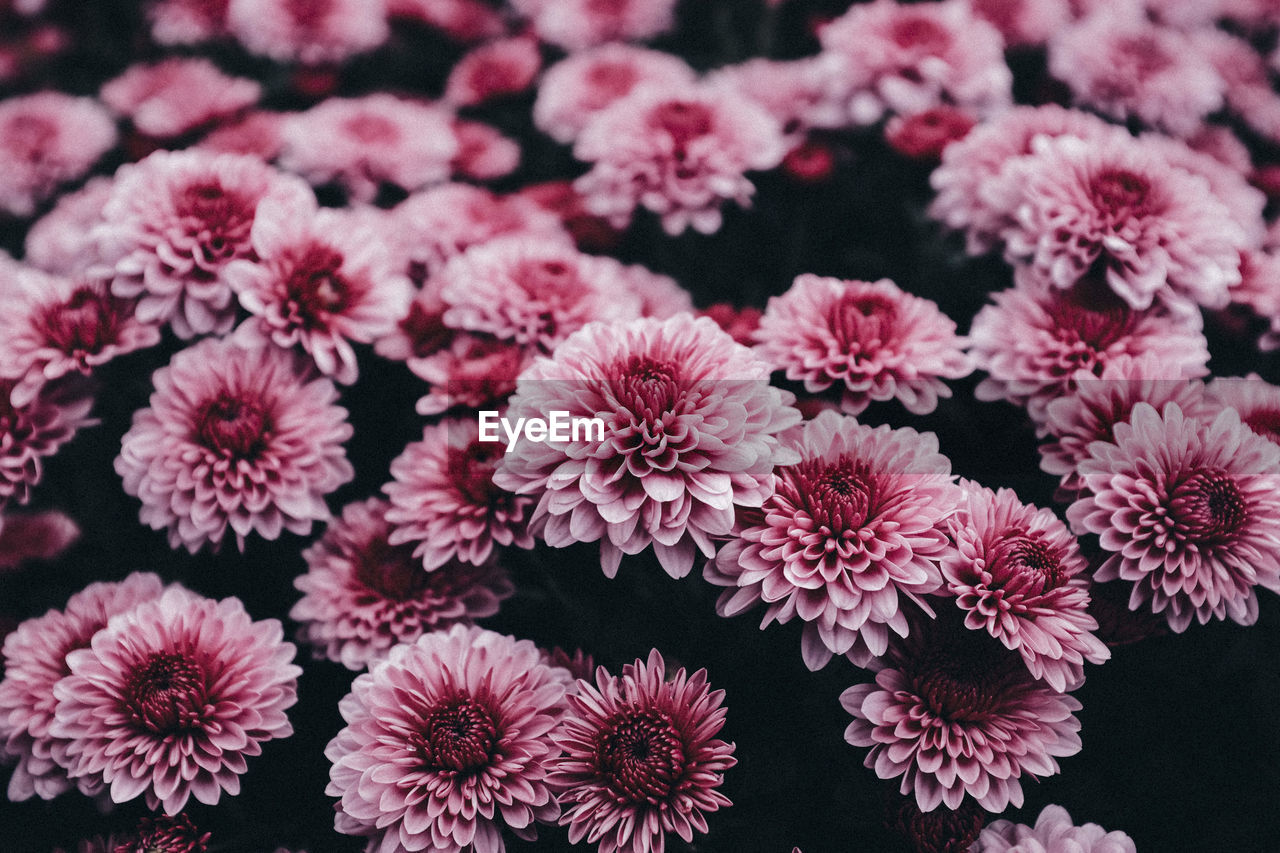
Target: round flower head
(690, 429)
(318, 279)
(1034, 341)
(679, 152)
(1024, 23)
(484, 154)
(579, 24)
(46, 140)
(187, 21)
(31, 431)
(849, 531)
(170, 699)
(956, 715)
(1054, 831)
(173, 97)
(470, 372)
(465, 21)
(34, 536)
(164, 834)
(1189, 513)
(34, 661)
(1018, 574)
(447, 741)
(796, 92)
(312, 33)
(870, 339)
(362, 595)
(1257, 402)
(258, 132)
(444, 502)
(173, 223)
(62, 241)
(641, 757)
(362, 142)
(235, 436)
(495, 69)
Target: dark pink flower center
(1120, 194)
(457, 734)
(838, 495)
(917, 31)
(27, 138)
(649, 388)
(166, 835)
(1208, 506)
(372, 129)
(641, 756)
(391, 570)
(234, 425)
(863, 323)
(1144, 55)
(611, 79)
(683, 121)
(1024, 563)
(1090, 314)
(85, 323)
(315, 286)
(218, 219)
(1004, 14)
(165, 693)
(425, 330)
(960, 676)
(308, 13)
(471, 471)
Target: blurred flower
(464, 20)
(740, 323)
(33, 430)
(925, 135)
(258, 132)
(1053, 831)
(187, 21)
(939, 831)
(483, 154)
(579, 24)
(164, 834)
(492, 70)
(34, 536)
(312, 33)
(178, 95)
(62, 241)
(46, 140)
(1257, 402)
(1024, 23)
(471, 371)
(795, 92)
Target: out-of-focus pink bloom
(1189, 513)
(691, 432)
(924, 136)
(464, 20)
(680, 153)
(492, 70)
(62, 241)
(591, 233)
(164, 834)
(169, 699)
(235, 437)
(1248, 89)
(362, 595)
(472, 371)
(312, 33)
(1024, 23)
(939, 831)
(32, 431)
(46, 140)
(641, 757)
(483, 153)
(740, 323)
(1257, 402)
(177, 96)
(795, 92)
(259, 133)
(187, 21)
(1054, 830)
(579, 24)
(812, 161)
(447, 742)
(35, 536)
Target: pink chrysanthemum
(691, 432)
(956, 715)
(1024, 23)
(894, 57)
(235, 436)
(362, 595)
(312, 33)
(173, 223)
(46, 140)
(177, 95)
(169, 699)
(580, 24)
(483, 153)
(260, 133)
(33, 431)
(492, 70)
(795, 92)
(469, 372)
(1018, 574)
(464, 20)
(62, 241)
(319, 278)
(363, 142)
(871, 340)
(1189, 513)
(444, 501)
(1248, 88)
(34, 536)
(679, 152)
(54, 326)
(34, 661)
(187, 21)
(848, 533)
(1257, 402)
(1054, 831)
(641, 757)
(1035, 339)
(447, 742)
(924, 136)
(577, 88)
(164, 834)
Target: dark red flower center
(85, 323)
(683, 121)
(457, 734)
(917, 31)
(863, 323)
(425, 330)
(1209, 506)
(641, 756)
(471, 471)
(649, 388)
(28, 138)
(220, 221)
(372, 129)
(316, 287)
(234, 425)
(1265, 422)
(1025, 563)
(611, 79)
(165, 693)
(838, 495)
(165, 834)
(1120, 194)
(1144, 55)
(960, 676)
(1090, 313)
(391, 570)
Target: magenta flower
(310, 33)
(495, 69)
(48, 139)
(871, 340)
(362, 595)
(447, 741)
(235, 437)
(641, 757)
(483, 154)
(177, 95)
(691, 432)
(1054, 830)
(169, 700)
(851, 530)
(32, 431)
(258, 132)
(1189, 513)
(578, 24)
(469, 372)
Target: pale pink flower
(62, 240)
(641, 757)
(34, 430)
(472, 371)
(31, 536)
(1024, 23)
(259, 133)
(235, 437)
(483, 153)
(1257, 402)
(46, 140)
(362, 595)
(678, 152)
(309, 32)
(492, 70)
(178, 95)
(187, 21)
(579, 24)
(1054, 831)
(1248, 89)
(464, 20)
(1189, 513)
(170, 698)
(796, 92)
(850, 534)
(446, 743)
(691, 432)
(660, 295)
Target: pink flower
(170, 699)
(740, 323)
(259, 133)
(362, 142)
(848, 533)
(938, 831)
(494, 69)
(34, 536)
(165, 834)
(321, 279)
(871, 340)
(470, 372)
(444, 502)
(1189, 513)
(1024, 23)
(62, 241)
(312, 33)
(796, 92)
(447, 741)
(1054, 831)
(46, 140)
(578, 87)
(237, 437)
(679, 152)
(362, 595)
(924, 136)
(691, 431)
(463, 20)
(483, 153)
(1257, 402)
(173, 223)
(579, 24)
(176, 96)
(34, 661)
(187, 21)
(31, 431)
(641, 757)
(1247, 81)
(956, 715)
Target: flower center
(838, 495)
(165, 693)
(391, 570)
(917, 31)
(1144, 56)
(457, 735)
(641, 756)
(471, 470)
(649, 387)
(1119, 193)
(315, 286)
(233, 425)
(863, 323)
(308, 13)
(217, 220)
(28, 138)
(372, 129)
(1208, 506)
(85, 323)
(1025, 563)
(683, 121)
(956, 676)
(1092, 315)
(611, 79)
